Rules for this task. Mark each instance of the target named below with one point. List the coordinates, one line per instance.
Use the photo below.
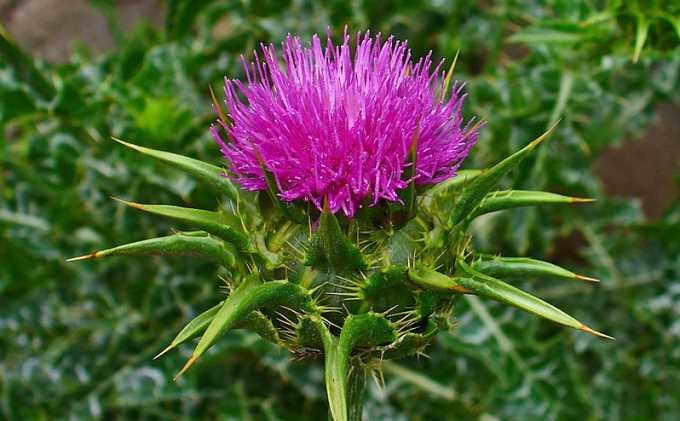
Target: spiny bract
(381, 283)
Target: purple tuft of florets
(329, 123)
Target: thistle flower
(341, 132)
(338, 125)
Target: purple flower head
(336, 124)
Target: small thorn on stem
(586, 278)
(188, 365)
(128, 203)
(582, 200)
(541, 138)
(586, 329)
(129, 145)
(83, 257)
(163, 352)
(461, 290)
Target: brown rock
(646, 168)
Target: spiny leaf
(401, 245)
(260, 324)
(489, 287)
(524, 267)
(506, 199)
(282, 236)
(207, 173)
(367, 329)
(224, 225)
(431, 279)
(441, 198)
(193, 328)
(330, 249)
(306, 333)
(385, 288)
(477, 189)
(254, 322)
(410, 343)
(249, 296)
(193, 244)
(449, 186)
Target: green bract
(359, 291)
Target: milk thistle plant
(343, 218)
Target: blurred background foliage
(76, 340)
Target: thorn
(422, 354)
(129, 145)
(326, 208)
(401, 313)
(131, 204)
(405, 323)
(586, 329)
(447, 78)
(160, 354)
(586, 278)
(326, 321)
(298, 313)
(534, 143)
(286, 321)
(582, 200)
(312, 291)
(83, 257)
(216, 105)
(460, 289)
(325, 309)
(386, 312)
(453, 65)
(188, 365)
(343, 294)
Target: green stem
(336, 364)
(356, 388)
(367, 329)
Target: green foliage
(78, 340)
